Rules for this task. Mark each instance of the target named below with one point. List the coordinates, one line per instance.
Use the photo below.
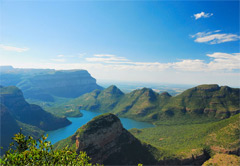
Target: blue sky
(158, 41)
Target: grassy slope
(223, 159)
(60, 107)
(29, 130)
(184, 140)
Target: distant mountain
(43, 84)
(16, 113)
(203, 102)
(106, 141)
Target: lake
(62, 133)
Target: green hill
(200, 104)
(100, 100)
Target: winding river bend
(57, 135)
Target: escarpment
(44, 84)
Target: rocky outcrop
(106, 141)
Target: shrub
(26, 151)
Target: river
(59, 134)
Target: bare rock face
(106, 141)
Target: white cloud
(224, 61)
(222, 68)
(220, 61)
(202, 14)
(214, 37)
(190, 65)
(11, 48)
(59, 60)
(60, 56)
(104, 55)
(105, 58)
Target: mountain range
(188, 127)
(204, 102)
(45, 84)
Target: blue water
(57, 135)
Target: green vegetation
(185, 140)
(223, 159)
(203, 119)
(29, 130)
(185, 124)
(201, 104)
(26, 151)
(59, 107)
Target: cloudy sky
(160, 42)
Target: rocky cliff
(106, 141)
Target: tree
(26, 151)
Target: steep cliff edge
(106, 141)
